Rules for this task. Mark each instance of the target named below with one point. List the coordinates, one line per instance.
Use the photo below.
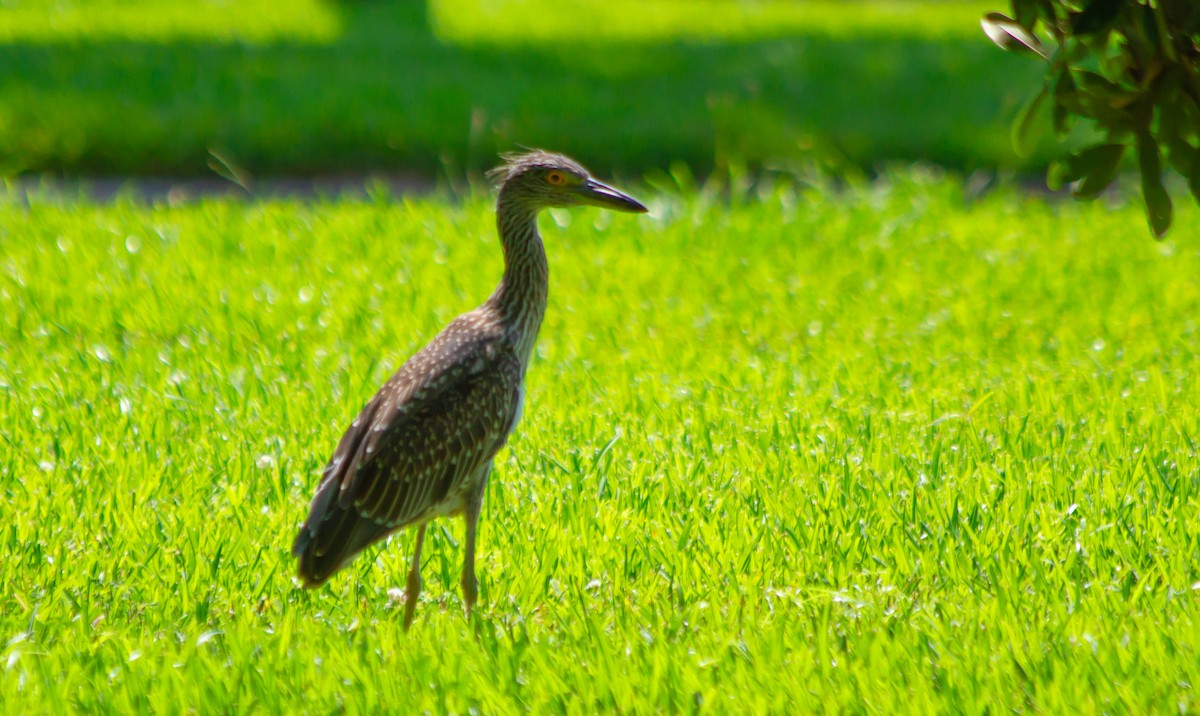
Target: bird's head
(544, 179)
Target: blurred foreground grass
(877, 451)
(153, 87)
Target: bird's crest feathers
(517, 162)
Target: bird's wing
(437, 421)
(420, 446)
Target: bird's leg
(470, 585)
(414, 581)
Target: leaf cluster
(1132, 67)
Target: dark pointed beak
(597, 194)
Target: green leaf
(1163, 34)
(1102, 100)
(1064, 101)
(1158, 202)
(1025, 12)
(1080, 164)
(1028, 125)
(1074, 51)
(1150, 29)
(1095, 85)
(1009, 35)
(1180, 155)
(1173, 126)
(1149, 159)
(1060, 173)
(1061, 118)
(1097, 16)
(1098, 169)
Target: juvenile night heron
(423, 446)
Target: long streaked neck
(521, 296)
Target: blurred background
(431, 90)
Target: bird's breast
(517, 411)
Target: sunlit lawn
(881, 450)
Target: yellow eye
(556, 178)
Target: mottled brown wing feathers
(417, 441)
(412, 464)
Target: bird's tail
(331, 537)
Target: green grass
(436, 88)
(875, 451)
(250, 21)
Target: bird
(423, 446)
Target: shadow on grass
(389, 94)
